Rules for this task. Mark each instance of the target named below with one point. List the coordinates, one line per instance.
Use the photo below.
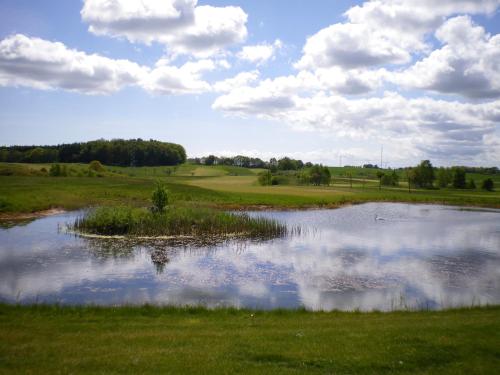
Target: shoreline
(15, 215)
(188, 309)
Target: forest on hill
(120, 152)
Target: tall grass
(176, 221)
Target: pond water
(382, 256)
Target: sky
(324, 81)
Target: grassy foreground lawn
(90, 340)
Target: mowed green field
(149, 340)
(24, 189)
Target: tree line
(283, 164)
(120, 152)
(316, 174)
(424, 175)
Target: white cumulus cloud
(240, 80)
(422, 126)
(42, 64)
(380, 32)
(181, 25)
(260, 53)
(467, 64)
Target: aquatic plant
(176, 221)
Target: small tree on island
(159, 198)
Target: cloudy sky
(314, 80)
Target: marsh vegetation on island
(164, 220)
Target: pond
(375, 256)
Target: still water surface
(381, 256)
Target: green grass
(155, 340)
(217, 186)
(176, 221)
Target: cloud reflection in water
(419, 256)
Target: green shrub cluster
(488, 185)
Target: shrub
(265, 178)
(96, 166)
(159, 198)
(488, 185)
(319, 175)
(389, 179)
(444, 177)
(423, 174)
(55, 170)
(459, 181)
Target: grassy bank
(208, 186)
(87, 340)
(176, 221)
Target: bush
(488, 185)
(265, 178)
(390, 179)
(444, 177)
(96, 166)
(459, 181)
(423, 174)
(386, 180)
(319, 175)
(57, 170)
(159, 198)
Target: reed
(176, 221)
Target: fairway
(248, 184)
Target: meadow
(25, 188)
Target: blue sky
(333, 85)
